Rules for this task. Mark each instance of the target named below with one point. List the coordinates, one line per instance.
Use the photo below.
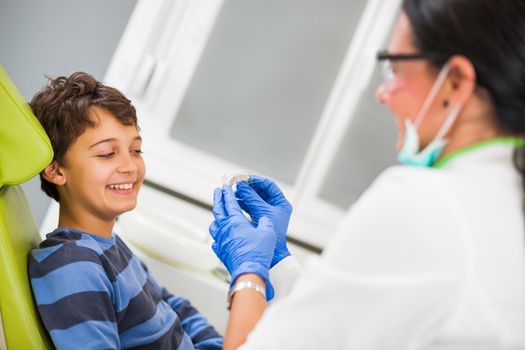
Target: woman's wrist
(251, 270)
(247, 283)
(252, 277)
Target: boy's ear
(53, 174)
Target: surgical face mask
(410, 154)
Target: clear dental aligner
(233, 179)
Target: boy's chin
(130, 208)
(125, 209)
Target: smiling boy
(91, 291)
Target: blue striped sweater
(93, 293)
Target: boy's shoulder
(63, 247)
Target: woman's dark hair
(491, 34)
(64, 108)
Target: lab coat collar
(499, 148)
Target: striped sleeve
(200, 331)
(74, 297)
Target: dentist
(432, 256)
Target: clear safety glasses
(385, 60)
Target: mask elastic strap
(448, 123)
(432, 95)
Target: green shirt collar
(514, 141)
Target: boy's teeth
(121, 187)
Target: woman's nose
(381, 94)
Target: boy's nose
(127, 165)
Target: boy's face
(103, 170)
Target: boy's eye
(106, 155)
(137, 151)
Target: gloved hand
(241, 247)
(263, 198)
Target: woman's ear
(54, 174)
(462, 79)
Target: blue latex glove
(240, 246)
(263, 198)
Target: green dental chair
(24, 151)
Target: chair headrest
(25, 148)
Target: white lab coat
(426, 259)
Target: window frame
(162, 31)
